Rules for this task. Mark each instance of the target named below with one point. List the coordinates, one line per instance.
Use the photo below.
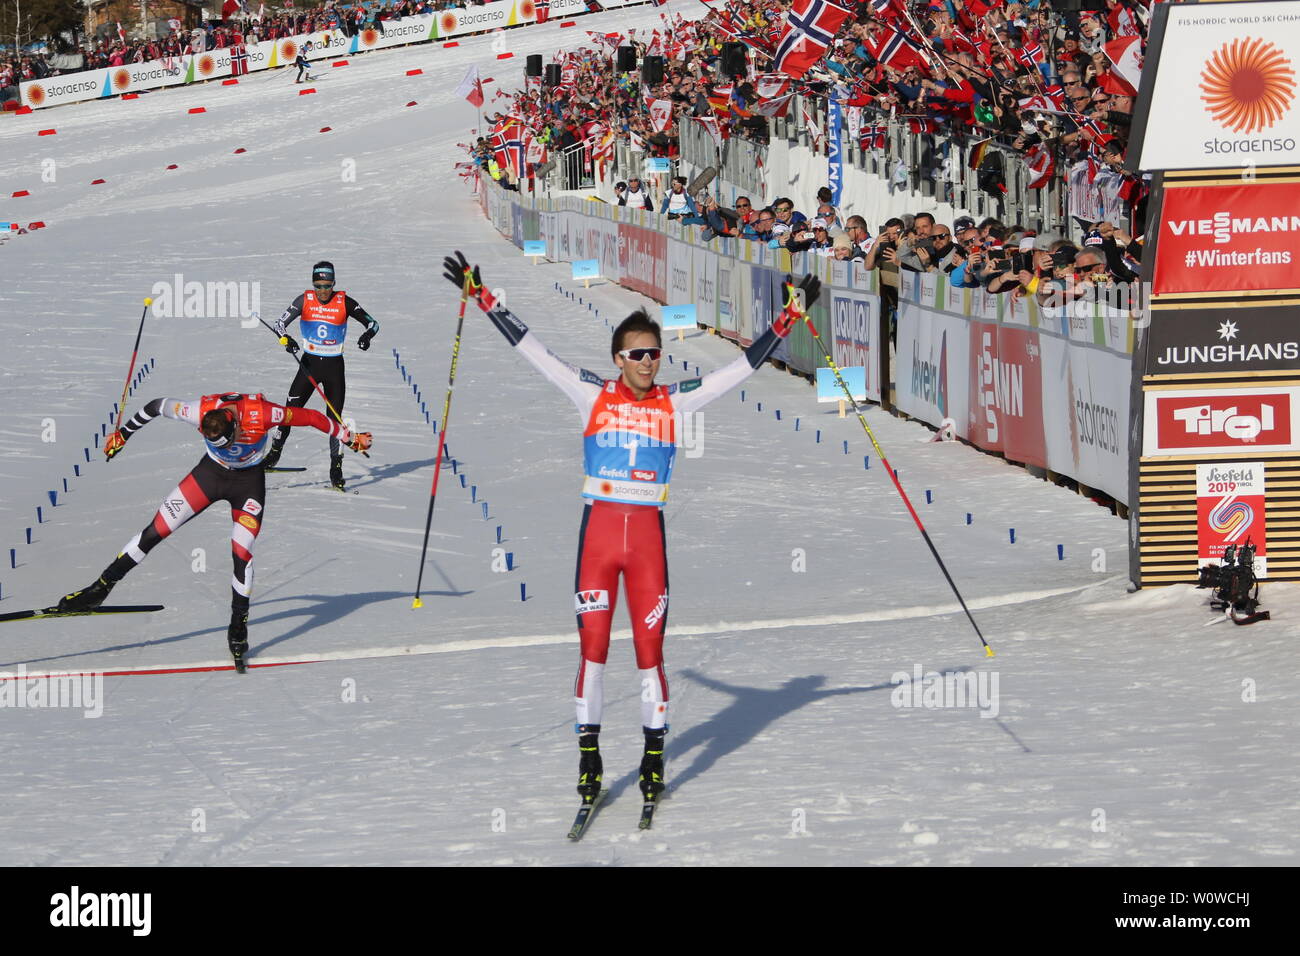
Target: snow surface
(458, 748)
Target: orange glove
(360, 441)
(113, 444)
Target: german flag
(978, 152)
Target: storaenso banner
(269, 54)
(1223, 340)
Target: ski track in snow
(785, 746)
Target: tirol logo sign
(1247, 85)
(1212, 340)
(1229, 239)
(1184, 422)
(1230, 511)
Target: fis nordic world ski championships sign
(1227, 88)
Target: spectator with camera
(677, 202)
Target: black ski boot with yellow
(590, 766)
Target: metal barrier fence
(743, 163)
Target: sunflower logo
(35, 95)
(121, 79)
(527, 10)
(447, 22)
(1248, 85)
(206, 65)
(369, 37)
(288, 50)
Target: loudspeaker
(652, 70)
(533, 65)
(552, 74)
(734, 59)
(626, 61)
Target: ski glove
(459, 270)
(360, 441)
(363, 343)
(113, 444)
(792, 312)
(289, 344)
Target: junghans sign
(1223, 340)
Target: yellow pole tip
(148, 301)
(988, 651)
(284, 340)
(416, 603)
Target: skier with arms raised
(629, 442)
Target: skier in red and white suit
(631, 425)
(235, 430)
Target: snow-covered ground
(1123, 730)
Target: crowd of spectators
(1032, 79)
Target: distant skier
(629, 441)
(234, 428)
(304, 67)
(324, 315)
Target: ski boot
(88, 598)
(590, 767)
(273, 456)
(652, 764)
(336, 472)
(237, 638)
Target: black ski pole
(830, 361)
(442, 439)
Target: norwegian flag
(810, 26)
(542, 10)
(873, 137)
(121, 34)
(1041, 166)
(1030, 56)
(238, 60)
(508, 145)
(896, 49)
(883, 9)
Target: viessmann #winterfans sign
(1230, 238)
(1225, 91)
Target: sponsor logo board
(1230, 511)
